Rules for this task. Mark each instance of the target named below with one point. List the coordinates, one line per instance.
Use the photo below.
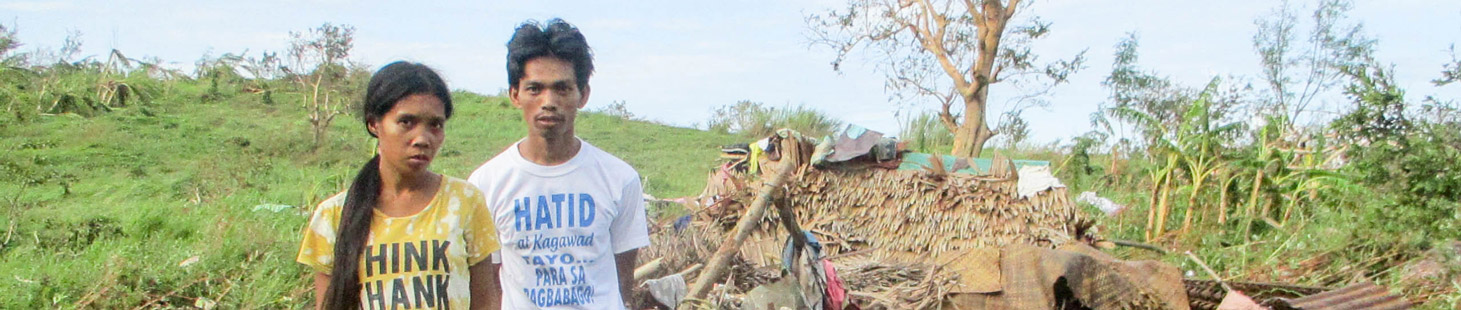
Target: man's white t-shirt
(561, 225)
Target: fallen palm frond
(881, 285)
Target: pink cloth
(1235, 300)
(836, 294)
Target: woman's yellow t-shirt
(412, 262)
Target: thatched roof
(864, 205)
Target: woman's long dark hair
(389, 85)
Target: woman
(410, 238)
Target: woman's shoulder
(460, 187)
(332, 204)
(327, 213)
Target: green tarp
(918, 161)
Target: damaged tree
(952, 51)
(319, 69)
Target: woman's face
(410, 134)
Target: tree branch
(935, 45)
(947, 117)
(973, 9)
(1009, 11)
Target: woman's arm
(322, 284)
(486, 290)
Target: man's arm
(486, 290)
(626, 262)
(629, 232)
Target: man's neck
(549, 151)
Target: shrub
(753, 119)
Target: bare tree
(1296, 72)
(319, 68)
(949, 51)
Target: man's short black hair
(558, 39)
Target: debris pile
(872, 226)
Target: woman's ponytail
(355, 218)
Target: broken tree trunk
(719, 262)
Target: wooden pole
(642, 272)
(720, 261)
(788, 219)
(1140, 245)
(692, 269)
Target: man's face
(549, 97)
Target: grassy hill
(173, 203)
(198, 196)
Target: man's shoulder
(494, 167)
(609, 162)
(507, 158)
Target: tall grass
(110, 211)
(755, 120)
(925, 133)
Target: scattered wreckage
(859, 223)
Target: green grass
(1331, 246)
(99, 212)
(104, 209)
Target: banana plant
(1306, 177)
(1227, 177)
(1158, 146)
(1199, 143)
(1265, 156)
(1192, 151)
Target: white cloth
(1106, 205)
(560, 227)
(1036, 179)
(669, 290)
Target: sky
(676, 61)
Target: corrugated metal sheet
(1356, 296)
(1207, 294)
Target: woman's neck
(402, 183)
(406, 194)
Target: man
(569, 215)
